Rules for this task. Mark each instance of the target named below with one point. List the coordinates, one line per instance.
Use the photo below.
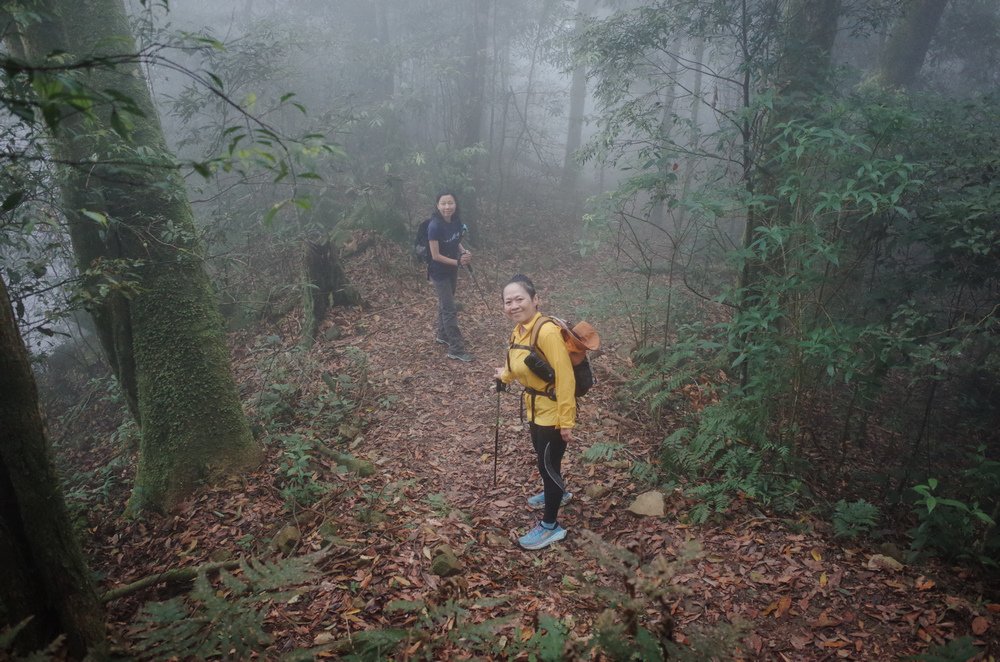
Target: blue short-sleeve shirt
(448, 235)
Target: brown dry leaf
(783, 605)
(824, 620)
(882, 562)
(980, 624)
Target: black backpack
(421, 249)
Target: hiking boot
(441, 341)
(460, 356)
(542, 536)
(538, 501)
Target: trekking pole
(475, 282)
(496, 433)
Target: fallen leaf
(832, 644)
(816, 555)
(824, 620)
(783, 606)
(980, 624)
(882, 562)
(924, 584)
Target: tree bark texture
(165, 338)
(45, 574)
(904, 52)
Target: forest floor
(427, 425)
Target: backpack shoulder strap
(532, 345)
(535, 330)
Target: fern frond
(601, 451)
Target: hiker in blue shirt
(444, 239)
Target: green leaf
(202, 169)
(96, 216)
(11, 201)
(983, 517)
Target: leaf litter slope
(429, 430)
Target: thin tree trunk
(657, 215)
(163, 336)
(577, 104)
(45, 574)
(472, 94)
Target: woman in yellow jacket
(549, 401)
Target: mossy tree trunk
(161, 332)
(45, 574)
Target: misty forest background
(780, 214)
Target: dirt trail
(429, 430)
(802, 596)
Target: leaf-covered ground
(427, 425)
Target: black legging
(549, 449)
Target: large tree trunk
(907, 45)
(45, 574)
(803, 66)
(164, 339)
(808, 34)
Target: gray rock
(649, 504)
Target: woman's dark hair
(524, 282)
(454, 217)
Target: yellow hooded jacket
(542, 410)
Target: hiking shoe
(460, 356)
(441, 341)
(538, 501)
(542, 536)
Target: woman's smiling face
(446, 206)
(518, 305)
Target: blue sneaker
(541, 536)
(538, 501)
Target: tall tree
(577, 105)
(128, 211)
(904, 52)
(474, 54)
(45, 575)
